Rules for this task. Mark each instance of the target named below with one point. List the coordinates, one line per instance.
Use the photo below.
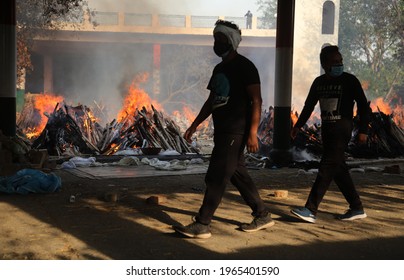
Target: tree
(371, 38)
(187, 70)
(268, 8)
(35, 17)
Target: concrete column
(155, 20)
(121, 19)
(8, 71)
(280, 153)
(48, 74)
(254, 24)
(188, 21)
(156, 69)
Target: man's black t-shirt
(337, 97)
(231, 108)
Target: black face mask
(221, 49)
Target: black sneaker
(194, 230)
(257, 224)
(351, 215)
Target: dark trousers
(335, 138)
(226, 165)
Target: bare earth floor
(49, 227)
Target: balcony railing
(132, 19)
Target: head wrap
(232, 35)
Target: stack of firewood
(75, 129)
(66, 131)
(28, 117)
(150, 128)
(385, 137)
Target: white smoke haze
(179, 7)
(303, 155)
(89, 73)
(100, 71)
(102, 75)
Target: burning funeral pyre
(75, 130)
(385, 137)
(63, 129)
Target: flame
(294, 117)
(396, 112)
(188, 116)
(45, 104)
(92, 117)
(137, 98)
(381, 105)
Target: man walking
(235, 104)
(336, 91)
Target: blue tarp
(30, 181)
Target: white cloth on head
(232, 35)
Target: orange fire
(45, 104)
(293, 117)
(381, 105)
(137, 98)
(397, 111)
(188, 116)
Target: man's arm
(205, 112)
(254, 92)
(305, 114)
(363, 111)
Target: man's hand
(252, 143)
(362, 138)
(188, 134)
(294, 132)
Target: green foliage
(268, 8)
(35, 17)
(371, 40)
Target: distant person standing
(248, 16)
(336, 91)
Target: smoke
(303, 155)
(102, 74)
(99, 72)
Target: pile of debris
(16, 154)
(74, 130)
(385, 137)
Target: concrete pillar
(121, 19)
(8, 71)
(188, 21)
(254, 24)
(280, 153)
(48, 74)
(155, 20)
(156, 69)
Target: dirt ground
(50, 227)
